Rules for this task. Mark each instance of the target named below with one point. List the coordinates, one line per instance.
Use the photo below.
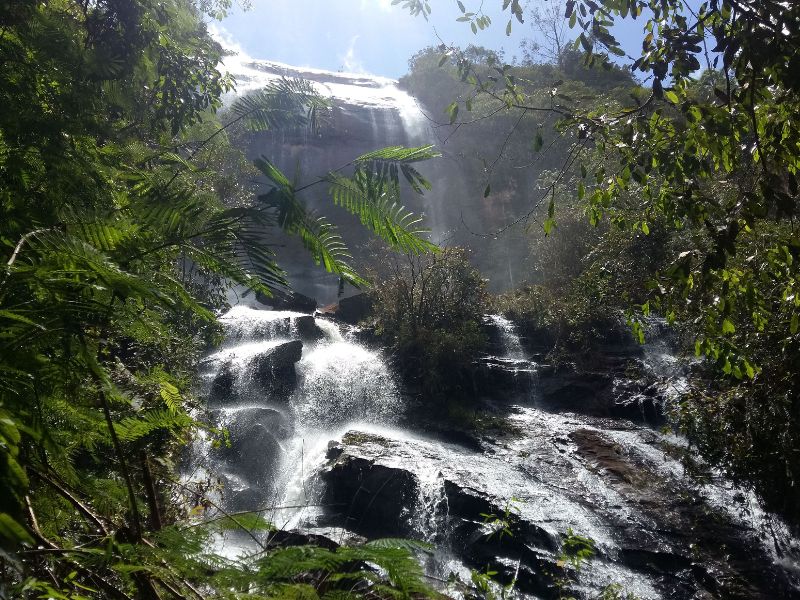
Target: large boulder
(367, 497)
(307, 329)
(274, 369)
(288, 301)
(252, 457)
(253, 454)
(354, 309)
(223, 384)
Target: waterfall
(509, 359)
(311, 410)
(371, 112)
(509, 338)
(280, 429)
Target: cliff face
(370, 113)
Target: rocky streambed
(659, 534)
(325, 443)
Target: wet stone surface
(657, 534)
(325, 441)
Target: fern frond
(133, 428)
(400, 154)
(171, 396)
(319, 236)
(385, 163)
(283, 104)
(71, 255)
(374, 203)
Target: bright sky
(368, 36)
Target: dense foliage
(707, 147)
(428, 309)
(123, 217)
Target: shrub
(429, 310)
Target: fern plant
(123, 218)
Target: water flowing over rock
(281, 398)
(371, 113)
(341, 457)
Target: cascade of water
(431, 509)
(279, 440)
(511, 358)
(509, 338)
(340, 382)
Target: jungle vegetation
(676, 195)
(123, 218)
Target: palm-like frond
(283, 104)
(319, 236)
(375, 204)
(387, 163)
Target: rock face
(288, 301)
(614, 380)
(270, 372)
(354, 309)
(508, 506)
(254, 453)
(500, 495)
(371, 499)
(308, 330)
(274, 369)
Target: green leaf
(728, 326)
(13, 532)
(452, 112)
(171, 396)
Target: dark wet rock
(254, 453)
(354, 309)
(239, 421)
(651, 524)
(284, 539)
(617, 388)
(691, 545)
(607, 456)
(653, 560)
(307, 329)
(222, 385)
(288, 301)
(274, 369)
(370, 499)
(534, 573)
(492, 376)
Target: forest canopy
(127, 210)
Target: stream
(323, 441)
